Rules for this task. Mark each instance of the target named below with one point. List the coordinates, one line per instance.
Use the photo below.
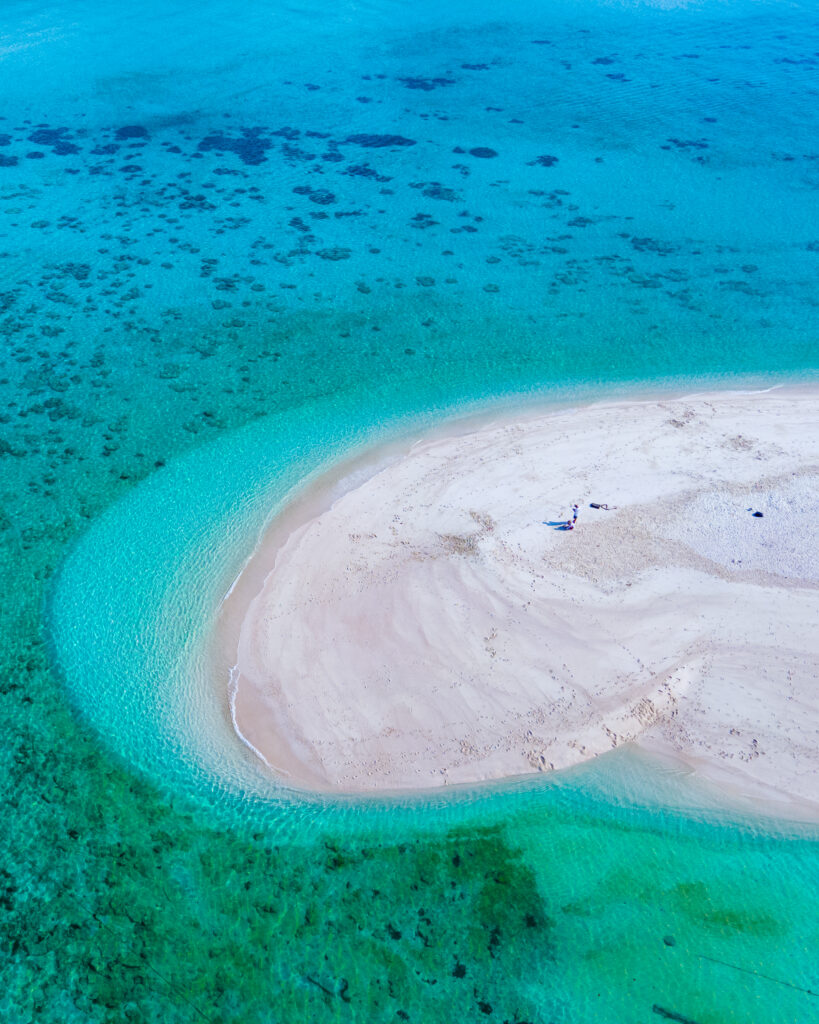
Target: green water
(190, 327)
(595, 895)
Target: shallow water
(226, 266)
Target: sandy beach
(437, 624)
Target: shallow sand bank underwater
(436, 625)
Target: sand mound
(437, 625)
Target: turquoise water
(237, 243)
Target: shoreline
(301, 758)
(317, 494)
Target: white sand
(433, 627)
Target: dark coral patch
(5, 140)
(7, 161)
(322, 197)
(294, 153)
(365, 171)
(334, 254)
(435, 190)
(379, 141)
(47, 136)
(426, 84)
(131, 131)
(483, 152)
(249, 146)
(56, 138)
(543, 161)
(687, 144)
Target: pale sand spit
(434, 626)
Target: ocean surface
(239, 242)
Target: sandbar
(435, 624)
